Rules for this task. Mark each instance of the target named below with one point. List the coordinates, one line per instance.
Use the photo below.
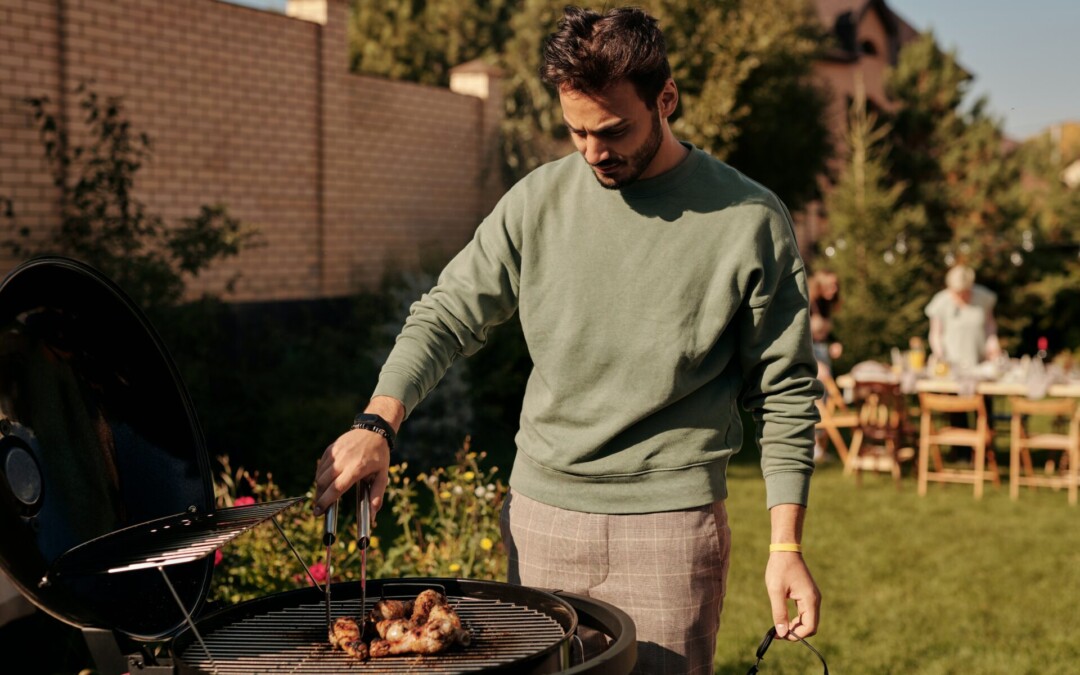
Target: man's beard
(638, 162)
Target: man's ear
(668, 99)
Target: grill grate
(167, 541)
(294, 640)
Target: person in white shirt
(963, 332)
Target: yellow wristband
(790, 548)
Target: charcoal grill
(108, 522)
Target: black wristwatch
(375, 423)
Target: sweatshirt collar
(657, 185)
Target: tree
(741, 67)
(879, 268)
(982, 204)
(1048, 248)
(103, 222)
(421, 40)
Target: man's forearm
(388, 408)
(787, 523)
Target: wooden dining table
(945, 385)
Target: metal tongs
(363, 530)
(329, 537)
(363, 536)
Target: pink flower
(218, 556)
(244, 501)
(318, 571)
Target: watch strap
(375, 423)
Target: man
(657, 288)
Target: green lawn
(939, 584)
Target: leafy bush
(446, 523)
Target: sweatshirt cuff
(787, 487)
(396, 385)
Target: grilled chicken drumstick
(346, 636)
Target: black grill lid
(97, 433)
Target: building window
(869, 48)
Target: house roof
(842, 18)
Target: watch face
(368, 418)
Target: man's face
(615, 131)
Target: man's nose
(595, 150)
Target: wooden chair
(1021, 471)
(932, 436)
(885, 435)
(836, 415)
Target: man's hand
(358, 455)
(787, 577)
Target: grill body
(515, 629)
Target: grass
(938, 584)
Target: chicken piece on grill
(346, 635)
(440, 630)
(443, 613)
(427, 625)
(424, 602)
(393, 629)
(385, 610)
(435, 636)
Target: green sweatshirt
(650, 313)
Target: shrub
(446, 523)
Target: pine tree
(879, 265)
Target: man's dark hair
(590, 52)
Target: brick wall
(340, 173)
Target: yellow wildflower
(486, 544)
(394, 468)
(352, 546)
(455, 568)
(373, 542)
(471, 455)
(445, 494)
(468, 475)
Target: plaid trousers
(667, 570)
